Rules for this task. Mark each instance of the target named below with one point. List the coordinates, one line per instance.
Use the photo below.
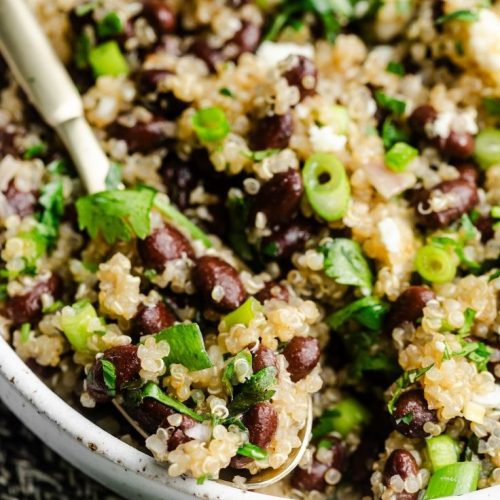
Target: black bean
(153, 319)
(401, 463)
(286, 240)
(261, 421)
(409, 306)
(263, 357)
(148, 79)
(484, 225)
(420, 118)
(209, 55)
(466, 197)
(21, 202)
(159, 15)
(469, 173)
(273, 290)
(459, 146)
(28, 307)
(7, 146)
(303, 75)
(210, 272)
(302, 354)
(127, 367)
(246, 39)
(143, 137)
(413, 403)
(272, 132)
(279, 198)
(180, 180)
(163, 245)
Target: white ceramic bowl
(103, 457)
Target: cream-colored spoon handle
(49, 87)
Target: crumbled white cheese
(326, 139)
(459, 122)
(272, 53)
(390, 234)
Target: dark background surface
(29, 470)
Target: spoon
(50, 89)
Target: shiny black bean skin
(302, 354)
(262, 357)
(409, 306)
(303, 75)
(413, 402)
(273, 290)
(262, 422)
(272, 132)
(153, 319)
(286, 240)
(402, 463)
(142, 137)
(421, 117)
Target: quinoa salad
(303, 207)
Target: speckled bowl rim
(100, 455)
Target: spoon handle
(49, 87)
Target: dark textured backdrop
(29, 470)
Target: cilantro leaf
(3, 292)
(117, 215)
(238, 210)
(259, 387)
(109, 375)
(407, 418)
(408, 378)
(459, 15)
(492, 105)
(52, 200)
(477, 352)
(152, 391)
(392, 104)
(252, 451)
(110, 25)
(395, 68)
(391, 134)
(346, 264)
(228, 378)
(369, 311)
(469, 316)
(35, 151)
(186, 346)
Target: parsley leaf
(228, 374)
(346, 264)
(109, 375)
(259, 387)
(392, 104)
(252, 451)
(459, 15)
(408, 378)
(186, 346)
(117, 215)
(369, 311)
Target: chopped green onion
(107, 59)
(186, 346)
(109, 376)
(345, 417)
(442, 451)
(454, 479)
(435, 264)
(78, 324)
(392, 104)
(259, 155)
(252, 451)
(210, 124)
(110, 25)
(495, 212)
(326, 185)
(243, 358)
(25, 331)
(179, 219)
(487, 151)
(459, 15)
(55, 306)
(400, 156)
(244, 314)
(391, 134)
(152, 391)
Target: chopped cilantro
(271, 249)
(35, 151)
(109, 376)
(477, 352)
(150, 274)
(392, 104)
(117, 215)
(400, 156)
(52, 200)
(252, 451)
(369, 311)
(59, 167)
(259, 387)
(152, 391)
(3, 292)
(260, 155)
(391, 134)
(346, 264)
(492, 105)
(186, 346)
(55, 306)
(395, 68)
(459, 15)
(469, 316)
(408, 378)
(83, 46)
(226, 92)
(110, 25)
(25, 331)
(494, 275)
(467, 228)
(238, 209)
(407, 418)
(459, 48)
(228, 375)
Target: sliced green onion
(495, 212)
(435, 264)
(454, 479)
(211, 124)
(252, 451)
(326, 185)
(400, 156)
(347, 416)
(110, 25)
(107, 59)
(25, 331)
(244, 314)
(152, 391)
(487, 151)
(186, 346)
(442, 450)
(76, 325)
(171, 213)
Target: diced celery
(454, 479)
(442, 450)
(107, 59)
(76, 324)
(244, 314)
